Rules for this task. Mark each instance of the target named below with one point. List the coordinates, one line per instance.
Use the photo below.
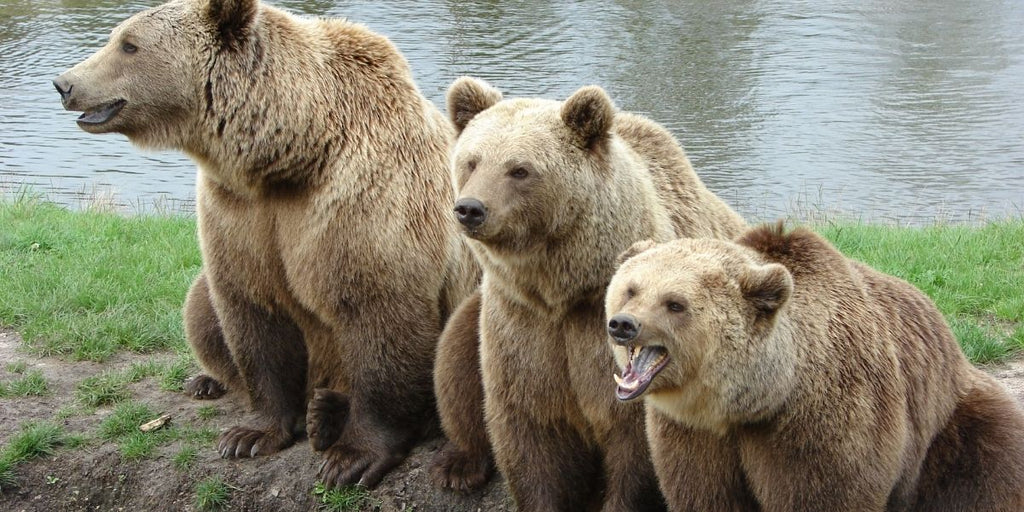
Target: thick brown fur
(798, 379)
(566, 187)
(330, 258)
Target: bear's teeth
(635, 351)
(618, 380)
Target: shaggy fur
(798, 379)
(330, 257)
(566, 186)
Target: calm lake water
(907, 111)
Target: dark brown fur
(464, 462)
(850, 394)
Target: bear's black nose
(63, 88)
(470, 212)
(623, 327)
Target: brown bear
(780, 375)
(549, 193)
(330, 257)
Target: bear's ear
(467, 97)
(767, 287)
(233, 18)
(634, 249)
(589, 113)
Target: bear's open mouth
(101, 114)
(644, 363)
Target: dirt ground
(94, 477)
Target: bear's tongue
(102, 114)
(644, 363)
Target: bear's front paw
(326, 415)
(344, 465)
(238, 442)
(204, 387)
(460, 470)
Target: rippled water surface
(887, 110)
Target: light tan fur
(566, 187)
(323, 200)
(798, 379)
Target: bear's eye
(675, 307)
(129, 48)
(518, 173)
(471, 166)
(630, 293)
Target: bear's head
(525, 169)
(150, 80)
(698, 325)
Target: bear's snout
(623, 327)
(470, 212)
(63, 87)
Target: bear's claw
(326, 415)
(460, 470)
(345, 466)
(239, 442)
(204, 387)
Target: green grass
(139, 371)
(84, 285)
(192, 441)
(125, 420)
(173, 377)
(29, 384)
(140, 445)
(212, 494)
(344, 499)
(974, 274)
(104, 389)
(34, 439)
(112, 387)
(207, 412)
(185, 457)
(17, 367)
(122, 427)
(204, 435)
(6, 475)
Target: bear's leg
(391, 399)
(631, 483)
(202, 329)
(464, 463)
(271, 357)
(548, 467)
(697, 470)
(977, 461)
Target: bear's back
(872, 317)
(693, 209)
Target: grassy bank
(83, 285)
(975, 274)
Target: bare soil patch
(94, 477)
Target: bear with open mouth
(780, 375)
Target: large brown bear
(549, 193)
(780, 375)
(330, 256)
